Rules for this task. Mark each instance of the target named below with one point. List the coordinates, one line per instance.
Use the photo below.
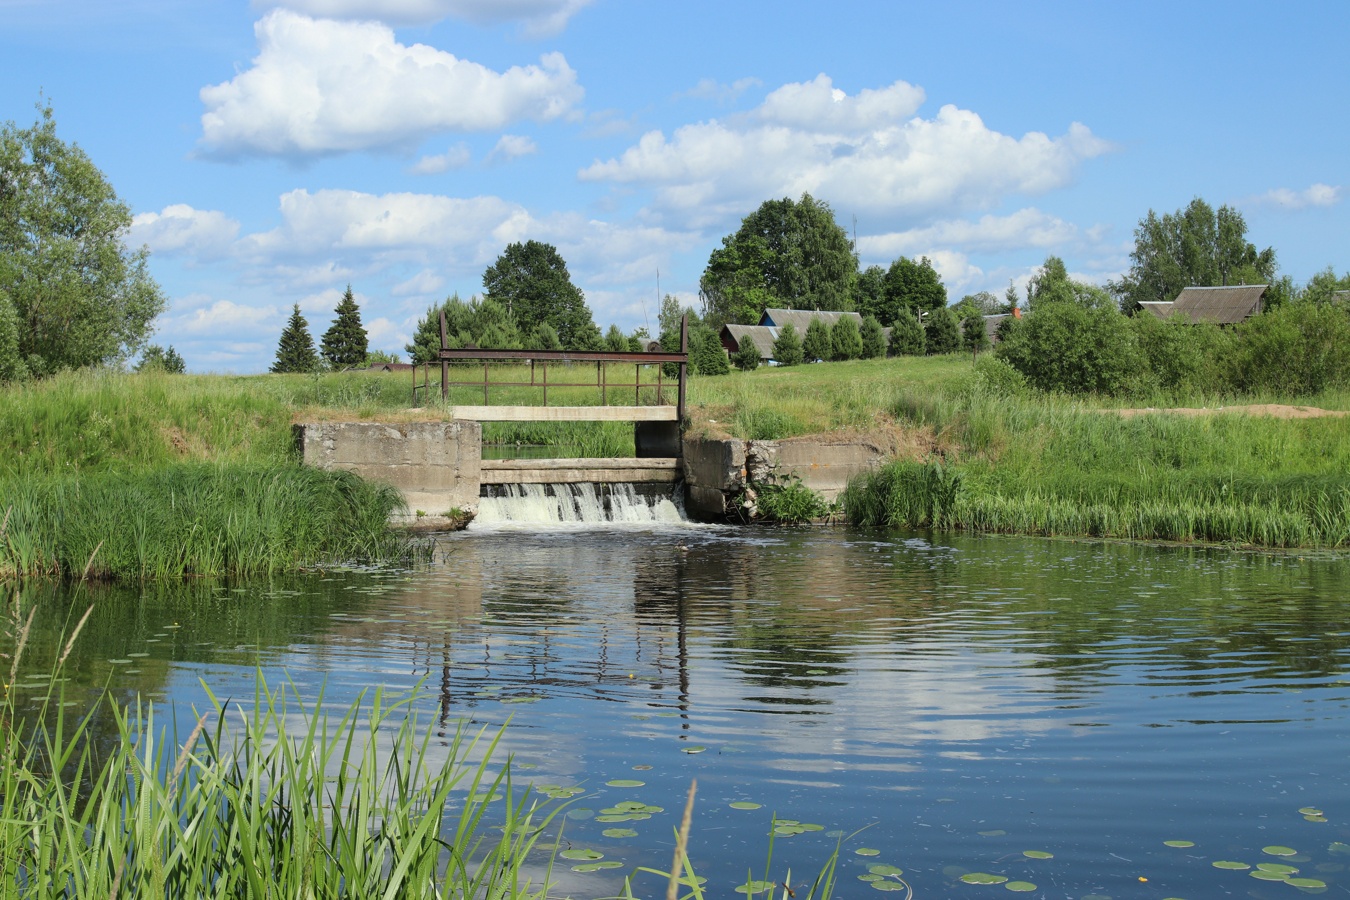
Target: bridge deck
(567, 471)
(566, 413)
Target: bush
(706, 356)
(787, 347)
(12, 367)
(940, 332)
(1071, 348)
(1184, 359)
(845, 342)
(746, 357)
(907, 337)
(1297, 349)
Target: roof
(1217, 305)
(762, 336)
(991, 324)
(801, 318)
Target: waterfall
(580, 504)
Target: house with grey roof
(1226, 305)
(771, 324)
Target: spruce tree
(747, 357)
(873, 339)
(845, 342)
(295, 351)
(907, 337)
(817, 345)
(787, 347)
(345, 343)
(706, 356)
(974, 337)
(940, 332)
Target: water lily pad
(619, 833)
(1262, 875)
(1311, 811)
(1305, 882)
(581, 853)
(983, 878)
(1277, 868)
(1020, 887)
(1179, 843)
(884, 885)
(997, 832)
(744, 804)
(625, 782)
(869, 877)
(1230, 864)
(1277, 850)
(697, 748)
(597, 866)
(755, 887)
(641, 768)
(1338, 847)
(883, 869)
(1037, 854)
(580, 814)
(867, 851)
(1315, 818)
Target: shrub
(706, 356)
(746, 357)
(1071, 348)
(12, 367)
(940, 332)
(845, 341)
(787, 348)
(1297, 349)
(1182, 358)
(973, 336)
(907, 337)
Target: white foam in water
(578, 504)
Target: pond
(1052, 713)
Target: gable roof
(801, 318)
(762, 336)
(1216, 305)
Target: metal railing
(539, 361)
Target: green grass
(192, 519)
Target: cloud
(1315, 195)
(991, 234)
(321, 87)
(420, 285)
(180, 229)
(538, 17)
(865, 152)
(224, 318)
(457, 157)
(513, 146)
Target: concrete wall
(716, 471)
(434, 464)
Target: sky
(274, 151)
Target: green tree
(295, 350)
(531, 282)
(787, 347)
(873, 339)
(907, 336)
(615, 340)
(913, 286)
(1193, 247)
(157, 359)
(1324, 285)
(1010, 299)
(380, 357)
(1075, 349)
(1052, 284)
(845, 342)
(543, 337)
(1296, 350)
(345, 343)
(787, 253)
(940, 332)
(973, 335)
(747, 358)
(80, 296)
(869, 292)
(817, 344)
(982, 303)
(12, 367)
(491, 326)
(706, 356)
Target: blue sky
(274, 151)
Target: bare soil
(1274, 410)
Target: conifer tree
(907, 337)
(787, 347)
(817, 345)
(747, 357)
(295, 351)
(940, 332)
(345, 343)
(873, 339)
(845, 342)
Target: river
(944, 705)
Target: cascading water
(580, 504)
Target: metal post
(445, 366)
(546, 383)
(684, 366)
(485, 382)
(604, 384)
(637, 384)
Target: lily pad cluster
(628, 811)
(558, 791)
(790, 827)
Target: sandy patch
(1274, 410)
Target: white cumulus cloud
(319, 86)
(865, 152)
(513, 146)
(1025, 228)
(457, 157)
(1314, 195)
(181, 229)
(538, 17)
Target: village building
(771, 325)
(1227, 305)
